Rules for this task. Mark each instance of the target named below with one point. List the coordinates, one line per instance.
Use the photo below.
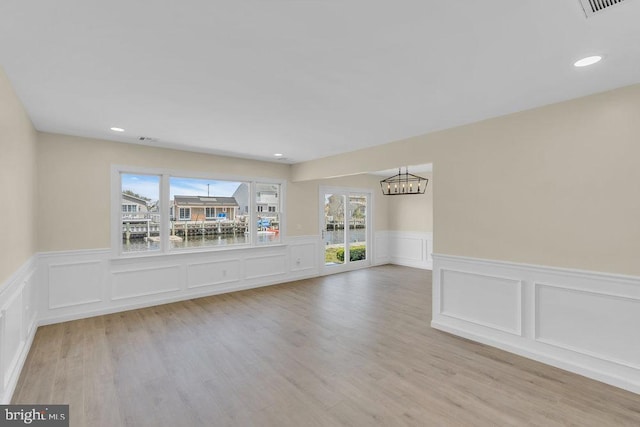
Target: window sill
(198, 251)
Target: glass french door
(344, 226)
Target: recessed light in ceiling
(117, 129)
(278, 155)
(589, 60)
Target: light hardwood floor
(350, 349)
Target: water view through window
(345, 227)
(140, 212)
(268, 209)
(205, 212)
(201, 213)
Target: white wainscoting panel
(381, 249)
(213, 273)
(90, 283)
(265, 266)
(410, 249)
(148, 281)
(491, 301)
(588, 323)
(59, 286)
(303, 256)
(12, 336)
(75, 283)
(30, 304)
(18, 317)
(581, 321)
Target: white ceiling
(306, 78)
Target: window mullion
(253, 217)
(164, 213)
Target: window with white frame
(184, 214)
(217, 213)
(139, 222)
(215, 218)
(267, 195)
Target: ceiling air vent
(147, 139)
(591, 7)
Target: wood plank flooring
(350, 349)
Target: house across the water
(139, 218)
(203, 209)
(133, 207)
(267, 203)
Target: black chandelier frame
(403, 184)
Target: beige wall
(556, 186)
(75, 183)
(553, 186)
(303, 203)
(17, 182)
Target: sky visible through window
(143, 185)
(198, 187)
(149, 186)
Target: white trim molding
(164, 183)
(370, 241)
(381, 248)
(475, 287)
(581, 321)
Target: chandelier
(403, 183)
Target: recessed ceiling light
(589, 60)
(278, 155)
(117, 129)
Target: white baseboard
(581, 321)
